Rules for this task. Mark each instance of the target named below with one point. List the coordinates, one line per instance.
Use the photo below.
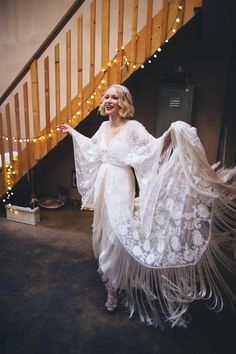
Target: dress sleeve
(145, 157)
(87, 161)
(179, 185)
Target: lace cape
(172, 233)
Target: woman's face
(111, 102)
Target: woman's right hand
(65, 128)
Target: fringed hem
(161, 297)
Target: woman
(160, 248)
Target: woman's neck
(116, 121)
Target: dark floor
(52, 299)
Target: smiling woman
(117, 99)
(160, 249)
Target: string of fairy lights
(88, 102)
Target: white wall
(24, 25)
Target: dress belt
(115, 165)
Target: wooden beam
(57, 89)
(68, 73)
(120, 40)
(2, 153)
(105, 37)
(80, 64)
(18, 135)
(9, 133)
(181, 14)
(47, 103)
(35, 106)
(134, 33)
(27, 126)
(164, 22)
(148, 29)
(92, 42)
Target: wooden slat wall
(142, 45)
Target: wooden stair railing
(23, 132)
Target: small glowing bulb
(177, 20)
(173, 30)
(142, 66)
(88, 101)
(50, 135)
(122, 47)
(99, 87)
(4, 200)
(155, 56)
(58, 128)
(115, 60)
(159, 49)
(6, 138)
(180, 7)
(117, 50)
(134, 66)
(78, 112)
(92, 97)
(103, 70)
(167, 41)
(108, 64)
(149, 61)
(103, 81)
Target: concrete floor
(52, 299)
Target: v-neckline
(119, 132)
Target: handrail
(65, 19)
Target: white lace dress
(160, 248)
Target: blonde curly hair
(125, 102)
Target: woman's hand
(65, 128)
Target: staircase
(104, 42)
